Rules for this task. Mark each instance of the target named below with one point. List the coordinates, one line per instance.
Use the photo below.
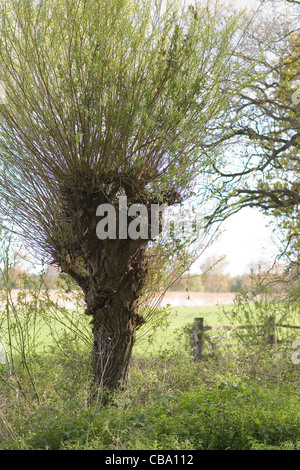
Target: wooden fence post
(271, 331)
(198, 332)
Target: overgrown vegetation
(171, 403)
(234, 398)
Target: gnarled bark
(112, 274)
(114, 331)
(112, 295)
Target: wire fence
(201, 341)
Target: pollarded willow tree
(107, 99)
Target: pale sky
(246, 239)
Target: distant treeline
(50, 278)
(213, 278)
(209, 283)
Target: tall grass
(231, 399)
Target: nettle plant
(105, 99)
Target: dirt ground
(176, 299)
(180, 299)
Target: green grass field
(183, 315)
(166, 334)
(44, 330)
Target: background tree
(264, 136)
(103, 99)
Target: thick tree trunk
(112, 293)
(114, 334)
(112, 274)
